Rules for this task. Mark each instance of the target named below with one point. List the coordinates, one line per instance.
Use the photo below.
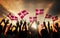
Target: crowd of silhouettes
(45, 33)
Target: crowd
(7, 32)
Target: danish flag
(22, 14)
(39, 11)
(48, 16)
(54, 18)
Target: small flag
(48, 16)
(31, 19)
(54, 18)
(12, 17)
(24, 12)
(35, 18)
(9, 15)
(16, 18)
(39, 11)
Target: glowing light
(34, 25)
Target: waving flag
(22, 14)
(9, 15)
(48, 16)
(54, 18)
(12, 17)
(16, 18)
(39, 11)
(33, 19)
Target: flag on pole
(48, 16)
(54, 18)
(12, 17)
(22, 14)
(31, 19)
(35, 18)
(9, 15)
(39, 11)
(16, 18)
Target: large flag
(48, 16)
(54, 18)
(22, 14)
(39, 11)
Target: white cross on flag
(48, 16)
(9, 15)
(22, 14)
(12, 17)
(39, 11)
(33, 19)
(54, 18)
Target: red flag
(16, 18)
(54, 18)
(35, 18)
(12, 17)
(9, 15)
(22, 14)
(39, 11)
(31, 19)
(48, 16)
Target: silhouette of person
(3, 20)
(9, 32)
(24, 33)
(7, 22)
(56, 34)
(44, 32)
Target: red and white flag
(39, 11)
(16, 18)
(22, 14)
(54, 18)
(9, 15)
(12, 17)
(33, 19)
(48, 16)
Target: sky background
(15, 6)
